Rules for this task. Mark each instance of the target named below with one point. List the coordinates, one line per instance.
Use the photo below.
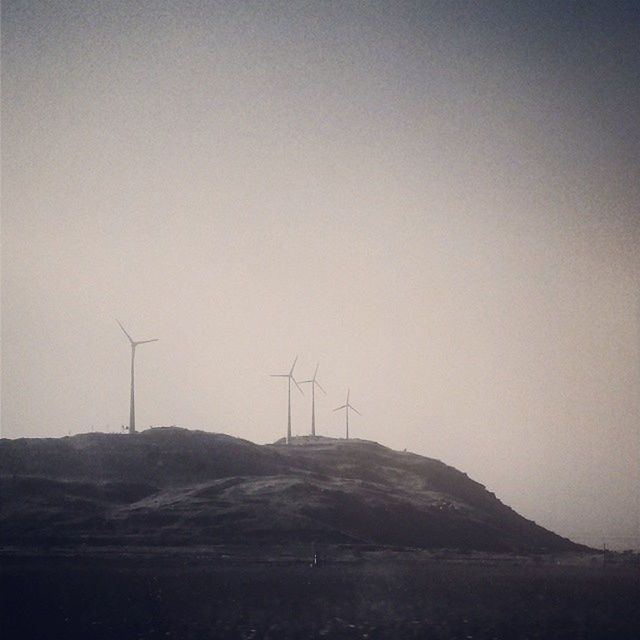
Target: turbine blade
(145, 341)
(125, 331)
(344, 406)
(297, 385)
(305, 381)
(293, 366)
(348, 392)
(352, 407)
(321, 389)
(316, 372)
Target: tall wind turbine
(347, 406)
(291, 378)
(132, 407)
(313, 383)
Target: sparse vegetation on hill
(172, 486)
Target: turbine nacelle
(289, 375)
(314, 380)
(347, 405)
(135, 343)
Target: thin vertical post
(347, 412)
(132, 407)
(313, 408)
(289, 414)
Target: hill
(171, 486)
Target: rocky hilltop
(171, 486)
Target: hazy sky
(438, 201)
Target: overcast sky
(437, 201)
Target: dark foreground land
(189, 596)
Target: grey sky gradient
(438, 201)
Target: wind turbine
(134, 344)
(313, 383)
(347, 406)
(290, 377)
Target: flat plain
(353, 593)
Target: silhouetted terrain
(171, 486)
(183, 534)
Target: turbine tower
(132, 407)
(290, 378)
(347, 406)
(313, 382)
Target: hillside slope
(173, 486)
